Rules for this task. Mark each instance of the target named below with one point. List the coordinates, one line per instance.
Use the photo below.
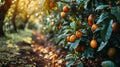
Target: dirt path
(41, 53)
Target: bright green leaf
(101, 7)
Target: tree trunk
(14, 16)
(3, 10)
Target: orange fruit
(52, 4)
(91, 18)
(79, 23)
(82, 48)
(63, 14)
(111, 52)
(110, 2)
(72, 38)
(78, 48)
(115, 26)
(65, 9)
(93, 43)
(59, 26)
(78, 34)
(90, 23)
(94, 27)
(68, 38)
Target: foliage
(9, 48)
(105, 14)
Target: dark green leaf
(88, 52)
(80, 64)
(116, 11)
(102, 45)
(102, 17)
(109, 31)
(87, 3)
(106, 34)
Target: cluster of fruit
(79, 33)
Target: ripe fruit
(52, 4)
(110, 2)
(68, 38)
(78, 34)
(91, 18)
(111, 52)
(93, 43)
(80, 48)
(79, 23)
(115, 26)
(90, 23)
(65, 9)
(63, 14)
(72, 38)
(94, 27)
(59, 26)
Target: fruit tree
(89, 29)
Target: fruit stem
(93, 36)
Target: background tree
(3, 11)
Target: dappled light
(59, 33)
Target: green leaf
(108, 64)
(70, 63)
(87, 2)
(102, 45)
(88, 52)
(75, 44)
(62, 36)
(102, 17)
(61, 42)
(109, 31)
(116, 12)
(98, 29)
(106, 34)
(101, 7)
(80, 64)
(73, 25)
(67, 30)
